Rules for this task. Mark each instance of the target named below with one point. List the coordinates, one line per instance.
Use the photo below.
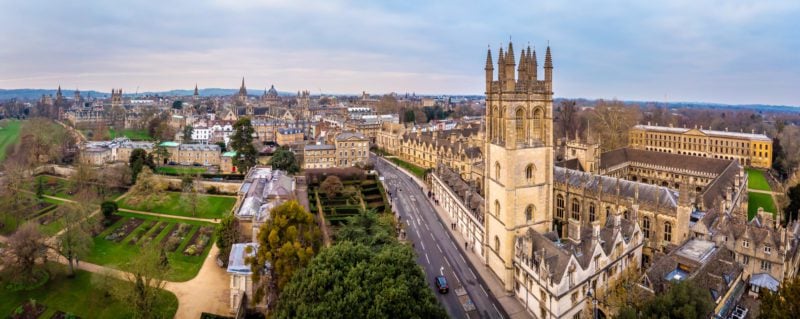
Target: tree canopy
(783, 304)
(287, 242)
(284, 159)
(332, 185)
(367, 228)
(139, 159)
(242, 142)
(684, 300)
(350, 280)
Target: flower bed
(139, 232)
(63, 315)
(199, 241)
(153, 233)
(173, 240)
(124, 230)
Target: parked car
(441, 284)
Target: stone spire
(548, 70)
(242, 89)
(196, 92)
(489, 70)
(511, 62)
(501, 69)
(534, 65)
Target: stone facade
(289, 136)
(319, 156)
(352, 149)
(749, 149)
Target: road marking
(440, 248)
(448, 263)
(434, 238)
(462, 258)
(422, 244)
(426, 227)
(417, 231)
(498, 311)
(429, 260)
(484, 290)
(454, 245)
(473, 274)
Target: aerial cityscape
(302, 159)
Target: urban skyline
(712, 52)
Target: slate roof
(606, 184)
(701, 164)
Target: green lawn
(757, 200)
(9, 134)
(118, 254)
(414, 169)
(132, 134)
(80, 296)
(757, 180)
(179, 170)
(62, 188)
(208, 207)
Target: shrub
(109, 208)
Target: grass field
(179, 170)
(757, 200)
(172, 204)
(414, 169)
(132, 134)
(757, 180)
(119, 254)
(80, 296)
(9, 134)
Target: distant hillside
(34, 94)
(698, 105)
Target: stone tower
(59, 96)
(77, 98)
(196, 95)
(519, 154)
(241, 98)
(116, 98)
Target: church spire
(196, 92)
(548, 70)
(489, 70)
(535, 65)
(509, 73)
(243, 89)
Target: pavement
(439, 253)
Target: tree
(331, 186)
(367, 228)
(568, 119)
(350, 280)
(109, 208)
(143, 282)
(409, 116)
(139, 159)
(187, 133)
(189, 194)
(25, 250)
(148, 189)
(228, 233)
(160, 153)
(177, 104)
(241, 141)
(793, 207)
(782, 304)
(222, 147)
(287, 241)
(682, 300)
(76, 238)
(611, 121)
(283, 159)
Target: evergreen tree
(242, 142)
(283, 159)
(783, 304)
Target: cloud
(720, 51)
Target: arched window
(646, 227)
(537, 124)
(667, 231)
(497, 208)
(529, 172)
(497, 171)
(519, 122)
(576, 209)
(608, 212)
(560, 206)
(625, 214)
(529, 213)
(496, 243)
(592, 216)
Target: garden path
(209, 220)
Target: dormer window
(745, 244)
(767, 250)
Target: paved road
(436, 249)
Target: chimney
(617, 221)
(595, 232)
(574, 230)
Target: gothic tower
(196, 95)
(241, 98)
(519, 155)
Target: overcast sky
(726, 51)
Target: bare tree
(611, 121)
(26, 250)
(76, 238)
(144, 282)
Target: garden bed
(175, 237)
(121, 232)
(28, 310)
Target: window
(496, 243)
(625, 214)
(667, 231)
(646, 227)
(745, 244)
(745, 259)
(529, 213)
(497, 208)
(576, 209)
(529, 173)
(766, 265)
(497, 171)
(560, 206)
(767, 250)
(591, 212)
(519, 121)
(537, 124)
(608, 212)
(574, 297)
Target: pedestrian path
(507, 300)
(207, 220)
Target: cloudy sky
(726, 51)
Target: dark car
(441, 284)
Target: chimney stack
(574, 230)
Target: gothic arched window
(592, 215)
(497, 208)
(667, 231)
(646, 227)
(560, 206)
(529, 213)
(529, 172)
(519, 122)
(497, 171)
(576, 209)
(538, 124)
(496, 243)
